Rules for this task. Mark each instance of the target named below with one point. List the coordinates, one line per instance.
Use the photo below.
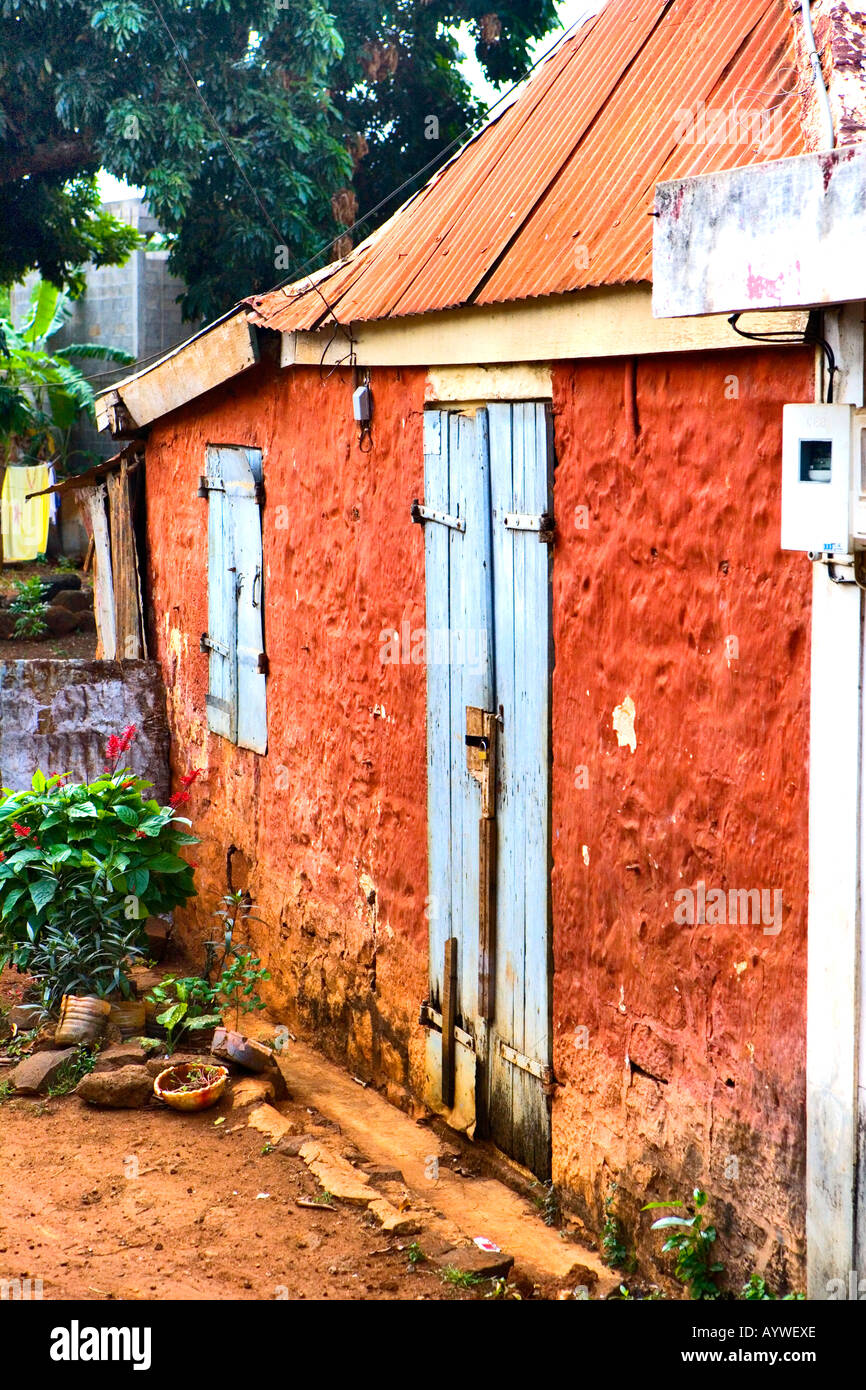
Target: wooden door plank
(103, 583)
(536, 869)
(501, 484)
(439, 831)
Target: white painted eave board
(787, 234)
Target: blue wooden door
(488, 648)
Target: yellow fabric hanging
(24, 524)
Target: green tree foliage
(327, 105)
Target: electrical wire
(783, 335)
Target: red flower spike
(2, 856)
(20, 830)
(178, 798)
(190, 777)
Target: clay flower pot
(168, 1084)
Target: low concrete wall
(58, 715)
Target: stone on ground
(269, 1121)
(36, 1074)
(125, 1089)
(337, 1175)
(470, 1260)
(120, 1055)
(394, 1222)
(252, 1090)
(26, 1016)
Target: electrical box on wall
(823, 479)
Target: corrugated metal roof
(555, 194)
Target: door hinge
(205, 486)
(263, 665)
(210, 644)
(540, 1070)
(422, 514)
(540, 522)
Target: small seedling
(415, 1255)
(460, 1278)
(692, 1242)
(614, 1254)
(501, 1289)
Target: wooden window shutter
(236, 700)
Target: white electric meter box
(823, 478)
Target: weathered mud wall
(328, 829)
(680, 1049)
(58, 716)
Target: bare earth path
(191, 1224)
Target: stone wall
(58, 715)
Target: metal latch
(422, 514)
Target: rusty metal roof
(555, 194)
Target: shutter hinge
(205, 486)
(263, 665)
(210, 644)
(260, 494)
(542, 523)
(422, 514)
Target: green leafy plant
(415, 1255)
(88, 953)
(614, 1252)
(237, 983)
(692, 1242)
(548, 1204)
(19, 1046)
(64, 845)
(29, 606)
(190, 1004)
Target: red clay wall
(330, 826)
(691, 1068)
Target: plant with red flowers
(59, 839)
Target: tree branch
(57, 157)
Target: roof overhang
(789, 234)
(222, 350)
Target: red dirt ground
(144, 1204)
